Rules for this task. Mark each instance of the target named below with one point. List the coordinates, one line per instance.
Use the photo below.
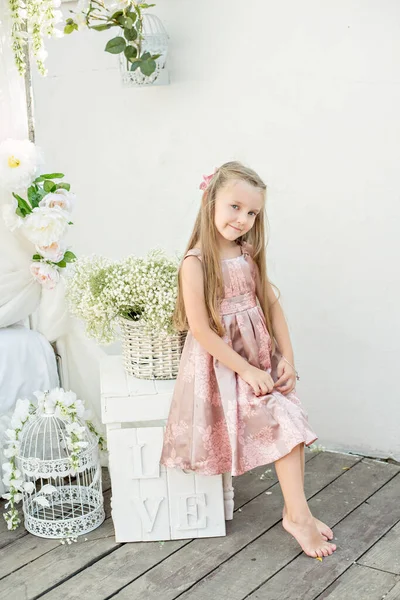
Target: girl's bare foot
(325, 531)
(306, 533)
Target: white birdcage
(155, 41)
(62, 495)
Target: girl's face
(237, 205)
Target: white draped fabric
(20, 295)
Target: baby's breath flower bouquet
(138, 289)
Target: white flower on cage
(42, 501)
(21, 410)
(45, 274)
(11, 476)
(16, 497)
(11, 434)
(28, 487)
(10, 217)
(19, 164)
(10, 452)
(61, 198)
(43, 225)
(80, 408)
(47, 489)
(74, 428)
(68, 398)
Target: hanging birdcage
(155, 41)
(59, 464)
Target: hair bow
(206, 180)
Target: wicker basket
(148, 355)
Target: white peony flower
(55, 252)
(19, 164)
(45, 274)
(43, 225)
(11, 219)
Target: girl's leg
(298, 520)
(324, 530)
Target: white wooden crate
(151, 502)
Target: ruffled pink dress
(216, 423)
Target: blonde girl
(234, 405)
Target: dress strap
(194, 252)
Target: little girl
(233, 406)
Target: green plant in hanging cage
(129, 20)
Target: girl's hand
(261, 381)
(286, 381)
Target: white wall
(307, 94)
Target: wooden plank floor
(257, 560)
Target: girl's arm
(192, 280)
(281, 330)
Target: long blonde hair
(205, 232)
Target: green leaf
(148, 67)
(116, 45)
(101, 27)
(117, 14)
(41, 193)
(63, 186)
(128, 24)
(33, 196)
(69, 29)
(19, 212)
(130, 52)
(135, 64)
(130, 34)
(61, 264)
(146, 5)
(49, 186)
(53, 176)
(50, 176)
(69, 256)
(132, 16)
(145, 55)
(22, 205)
(70, 223)
(37, 257)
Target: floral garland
(31, 21)
(44, 216)
(68, 408)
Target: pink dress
(216, 423)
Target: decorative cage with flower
(155, 41)
(55, 468)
